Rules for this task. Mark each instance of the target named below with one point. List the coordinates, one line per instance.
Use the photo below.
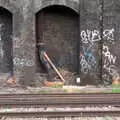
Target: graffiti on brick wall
(108, 35)
(87, 57)
(1, 43)
(91, 36)
(109, 67)
(23, 62)
(87, 61)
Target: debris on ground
(11, 80)
(53, 84)
(68, 76)
(116, 81)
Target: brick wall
(24, 35)
(99, 31)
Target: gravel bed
(57, 109)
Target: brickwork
(94, 23)
(24, 34)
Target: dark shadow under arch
(58, 27)
(9, 8)
(6, 62)
(46, 3)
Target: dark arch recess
(69, 4)
(58, 27)
(9, 9)
(55, 5)
(6, 62)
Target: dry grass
(67, 75)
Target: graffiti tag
(87, 60)
(23, 62)
(109, 65)
(91, 36)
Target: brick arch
(63, 50)
(71, 4)
(7, 8)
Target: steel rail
(59, 99)
(93, 113)
(62, 94)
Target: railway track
(75, 100)
(62, 114)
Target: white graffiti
(108, 34)
(111, 69)
(87, 59)
(109, 65)
(23, 62)
(85, 67)
(109, 57)
(91, 36)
